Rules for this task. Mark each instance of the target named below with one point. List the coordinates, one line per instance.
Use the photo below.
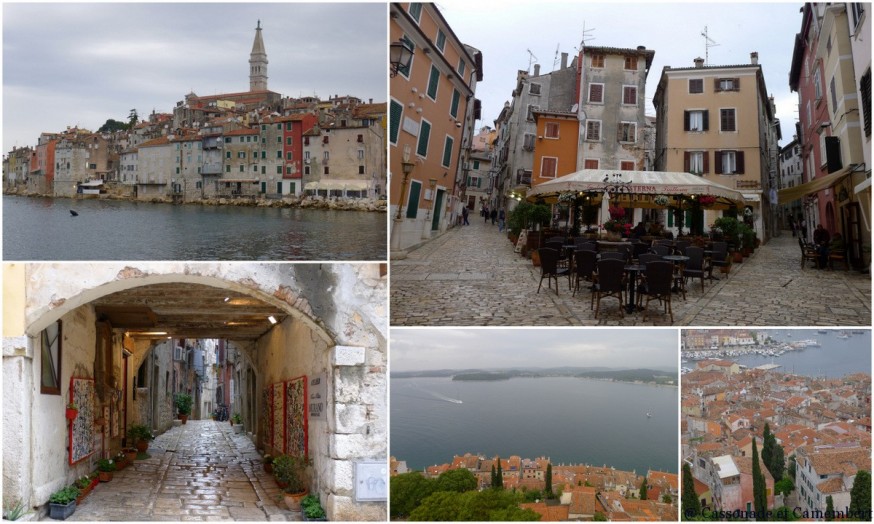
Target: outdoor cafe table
(633, 269)
(676, 259)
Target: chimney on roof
(536, 69)
(641, 48)
(754, 57)
(564, 60)
(699, 62)
(369, 100)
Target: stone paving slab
(197, 472)
(499, 288)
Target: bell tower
(258, 63)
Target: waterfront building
(823, 471)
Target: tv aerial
(708, 43)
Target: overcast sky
(505, 32)
(437, 348)
(79, 64)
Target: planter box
(61, 511)
(238, 428)
(292, 500)
(303, 516)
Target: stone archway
(330, 310)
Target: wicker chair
(549, 268)
(656, 285)
(610, 283)
(694, 267)
(584, 267)
(808, 252)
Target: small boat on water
(843, 335)
(858, 331)
(822, 331)
(648, 415)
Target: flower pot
(71, 413)
(737, 257)
(131, 455)
(292, 500)
(184, 419)
(238, 428)
(613, 236)
(535, 258)
(104, 476)
(268, 468)
(142, 445)
(61, 511)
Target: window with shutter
(548, 166)
(441, 40)
(626, 165)
(528, 142)
(453, 107)
(596, 93)
(598, 61)
(627, 132)
(591, 163)
(534, 89)
(413, 200)
(865, 89)
(631, 63)
(424, 135)
(531, 109)
(727, 120)
(551, 130)
(593, 130)
(831, 86)
(433, 83)
(461, 68)
(629, 95)
(415, 11)
(447, 151)
(696, 85)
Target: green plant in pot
(105, 468)
(62, 503)
(311, 508)
(748, 238)
(183, 403)
(140, 435)
(290, 471)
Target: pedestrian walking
(494, 215)
(501, 220)
(792, 225)
(802, 227)
(486, 213)
(464, 214)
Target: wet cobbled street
(196, 472)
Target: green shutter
(453, 108)
(670, 218)
(447, 151)
(433, 80)
(424, 135)
(413, 202)
(441, 40)
(476, 164)
(291, 187)
(396, 112)
(405, 70)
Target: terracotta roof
(160, 141)
(242, 131)
(832, 485)
(841, 460)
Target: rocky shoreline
(303, 202)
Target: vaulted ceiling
(187, 311)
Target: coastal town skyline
(152, 63)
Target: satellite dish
(575, 107)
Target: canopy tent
(817, 184)
(645, 186)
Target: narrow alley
(195, 472)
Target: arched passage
(317, 309)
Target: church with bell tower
(258, 63)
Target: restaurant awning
(817, 184)
(644, 187)
(348, 185)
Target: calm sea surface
(835, 358)
(43, 229)
(567, 419)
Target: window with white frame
(695, 120)
(856, 10)
(528, 142)
(729, 162)
(727, 120)
(440, 43)
(817, 85)
(593, 130)
(551, 130)
(628, 132)
(695, 162)
(548, 166)
(596, 93)
(629, 95)
(631, 63)
(727, 84)
(415, 11)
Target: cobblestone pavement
(199, 471)
(471, 276)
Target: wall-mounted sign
(318, 396)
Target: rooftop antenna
(531, 59)
(555, 60)
(586, 36)
(708, 43)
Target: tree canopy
(486, 505)
(691, 504)
(860, 495)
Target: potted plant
(120, 461)
(131, 454)
(183, 406)
(237, 423)
(84, 484)
(105, 467)
(290, 471)
(268, 463)
(311, 508)
(72, 411)
(141, 435)
(748, 236)
(62, 503)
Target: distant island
(482, 376)
(642, 375)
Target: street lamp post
(399, 57)
(407, 168)
(432, 183)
